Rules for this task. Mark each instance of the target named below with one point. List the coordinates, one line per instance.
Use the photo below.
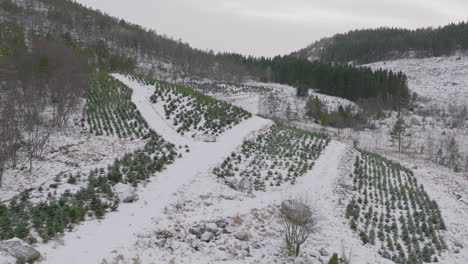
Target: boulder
(211, 227)
(245, 186)
(324, 253)
(221, 223)
(206, 138)
(125, 192)
(19, 249)
(245, 246)
(164, 234)
(195, 244)
(231, 182)
(229, 196)
(5, 259)
(242, 235)
(206, 237)
(196, 230)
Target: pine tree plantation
(279, 155)
(391, 210)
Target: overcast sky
(272, 27)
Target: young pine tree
(398, 132)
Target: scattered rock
(242, 235)
(125, 192)
(324, 253)
(164, 234)
(245, 186)
(256, 245)
(228, 196)
(243, 253)
(221, 223)
(206, 237)
(211, 227)
(19, 249)
(196, 230)
(206, 138)
(231, 182)
(195, 244)
(245, 246)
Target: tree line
(370, 45)
(353, 83)
(108, 36)
(46, 53)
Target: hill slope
(371, 45)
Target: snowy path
(140, 97)
(318, 186)
(94, 239)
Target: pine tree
(398, 132)
(426, 254)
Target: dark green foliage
(337, 260)
(192, 111)
(226, 88)
(345, 81)
(388, 199)
(57, 214)
(11, 39)
(110, 111)
(370, 45)
(278, 155)
(105, 60)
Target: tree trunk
(296, 252)
(1, 173)
(399, 144)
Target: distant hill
(371, 45)
(103, 36)
(114, 45)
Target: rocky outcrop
(245, 186)
(19, 249)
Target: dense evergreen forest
(345, 81)
(370, 45)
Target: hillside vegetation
(392, 211)
(42, 213)
(192, 112)
(277, 156)
(371, 45)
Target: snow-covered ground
(283, 96)
(71, 151)
(442, 79)
(92, 239)
(155, 229)
(286, 91)
(205, 200)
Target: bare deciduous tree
(298, 222)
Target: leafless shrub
(298, 221)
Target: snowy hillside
(442, 79)
(158, 194)
(270, 99)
